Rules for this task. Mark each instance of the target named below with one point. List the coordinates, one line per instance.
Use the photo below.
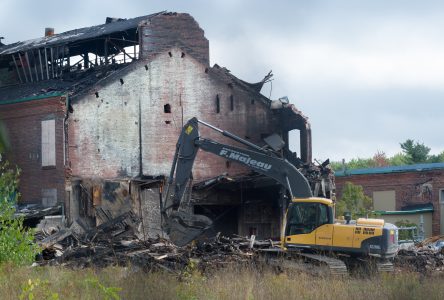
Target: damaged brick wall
(407, 186)
(104, 127)
(23, 122)
(165, 31)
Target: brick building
(94, 115)
(403, 191)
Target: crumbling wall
(104, 132)
(164, 31)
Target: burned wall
(23, 120)
(105, 133)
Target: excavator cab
(304, 217)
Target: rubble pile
(426, 257)
(116, 243)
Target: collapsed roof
(121, 31)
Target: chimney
(49, 31)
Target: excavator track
(370, 266)
(336, 266)
(314, 264)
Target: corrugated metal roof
(403, 212)
(75, 35)
(391, 169)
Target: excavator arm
(183, 227)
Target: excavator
(309, 229)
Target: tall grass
(130, 283)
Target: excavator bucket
(183, 227)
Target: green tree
(436, 158)
(353, 200)
(16, 243)
(399, 159)
(415, 152)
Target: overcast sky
(368, 74)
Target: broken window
(167, 108)
(48, 143)
(217, 104)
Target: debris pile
(426, 257)
(116, 243)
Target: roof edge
(391, 169)
(39, 97)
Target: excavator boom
(183, 227)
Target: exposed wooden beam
(41, 66)
(29, 65)
(17, 69)
(23, 67)
(46, 63)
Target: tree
(439, 158)
(399, 159)
(415, 152)
(353, 200)
(380, 159)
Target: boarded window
(384, 200)
(48, 143)
(231, 102)
(49, 197)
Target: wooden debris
(115, 243)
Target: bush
(16, 243)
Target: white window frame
(441, 196)
(48, 143)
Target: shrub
(16, 243)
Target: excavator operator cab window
(304, 217)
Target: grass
(245, 284)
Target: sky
(368, 74)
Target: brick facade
(23, 122)
(411, 188)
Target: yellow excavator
(309, 230)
